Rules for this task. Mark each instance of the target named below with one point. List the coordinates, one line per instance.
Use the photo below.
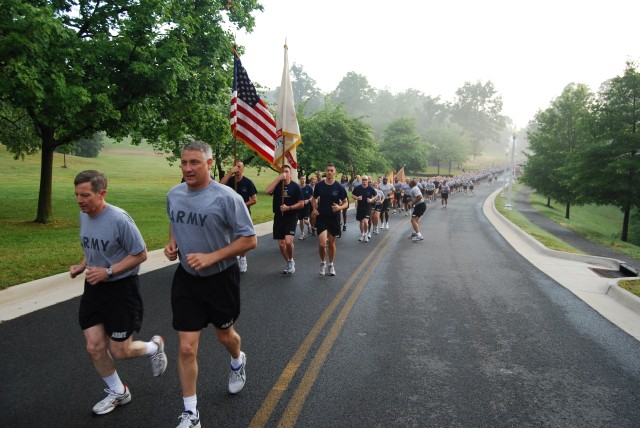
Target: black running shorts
(419, 209)
(116, 304)
(197, 301)
(284, 225)
(330, 223)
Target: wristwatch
(109, 271)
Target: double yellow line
(292, 412)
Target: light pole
(513, 168)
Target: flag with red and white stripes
(251, 120)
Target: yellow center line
(265, 411)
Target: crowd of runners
(210, 233)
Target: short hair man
(287, 199)
(419, 207)
(237, 181)
(365, 195)
(329, 198)
(111, 306)
(209, 225)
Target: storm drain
(625, 271)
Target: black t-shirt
(246, 188)
(366, 193)
(292, 194)
(328, 194)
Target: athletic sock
(236, 362)
(190, 403)
(152, 348)
(114, 383)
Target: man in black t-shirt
(244, 187)
(285, 214)
(365, 195)
(329, 198)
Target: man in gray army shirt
(111, 306)
(209, 225)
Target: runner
(305, 212)
(329, 198)
(209, 225)
(285, 214)
(111, 305)
(419, 207)
(387, 189)
(236, 180)
(364, 195)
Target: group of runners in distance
(210, 233)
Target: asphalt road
(455, 331)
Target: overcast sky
(530, 50)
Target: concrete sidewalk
(570, 270)
(573, 272)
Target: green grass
(138, 182)
(631, 285)
(536, 232)
(601, 224)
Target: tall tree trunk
(45, 213)
(549, 201)
(625, 222)
(566, 212)
(449, 167)
(438, 167)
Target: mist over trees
(408, 128)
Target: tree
(448, 144)
(158, 70)
(331, 135)
(402, 146)
(478, 109)
(355, 94)
(562, 132)
(610, 167)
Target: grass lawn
(600, 224)
(138, 182)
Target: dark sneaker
(112, 400)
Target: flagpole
(235, 139)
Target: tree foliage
(158, 70)
(611, 166)
(478, 109)
(562, 132)
(332, 135)
(402, 146)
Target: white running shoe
(366, 238)
(301, 238)
(323, 267)
(417, 238)
(361, 238)
(332, 270)
(111, 401)
(237, 378)
(291, 267)
(413, 234)
(369, 236)
(189, 420)
(159, 359)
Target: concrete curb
(22, 299)
(623, 296)
(613, 290)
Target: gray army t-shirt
(109, 237)
(205, 220)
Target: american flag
(251, 121)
